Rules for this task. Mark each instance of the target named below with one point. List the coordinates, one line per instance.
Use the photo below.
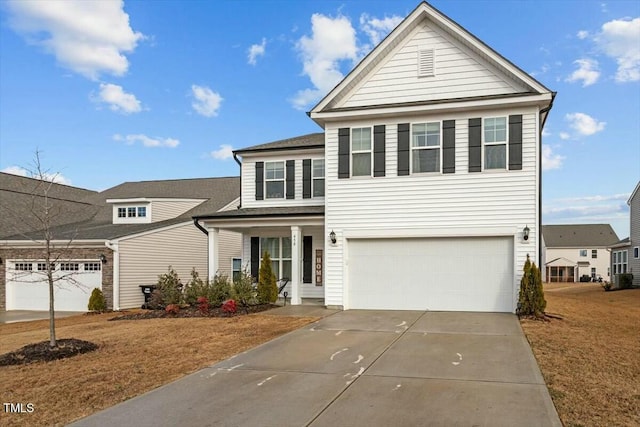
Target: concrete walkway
(362, 368)
(14, 316)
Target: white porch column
(214, 251)
(296, 264)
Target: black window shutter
(306, 179)
(515, 142)
(259, 180)
(403, 149)
(475, 145)
(255, 257)
(343, 152)
(449, 146)
(378, 150)
(307, 259)
(290, 179)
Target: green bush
(195, 288)
(219, 290)
(267, 288)
(170, 287)
(624, 280)
(531, 300)
(97, 301)
(243, 291)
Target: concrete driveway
(362, 368)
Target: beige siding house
(133, 233)
(625, 254)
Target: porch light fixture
(103, 258)
(332, 236)
(525, 233)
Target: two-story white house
(423, 191)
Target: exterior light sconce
(525, 233)
(103, 258)
(332, 237)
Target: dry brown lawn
(590, 359)
(134, 356)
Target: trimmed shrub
(531, 300)
(203, 305)
(229, 306)
(195, 288)
(219, 289)
(97, 301)
(170, 287)
(267, 288)
(172, 309)
(624, 280)
(243, 290)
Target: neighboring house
(423, 191)
(577, 250)
(133, 233)
(625, 254)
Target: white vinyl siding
(170, 209)
(432, 202)
(144, 258)
(459, 74)
(248, 180)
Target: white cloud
(256, 50)
(620, 40)
(549, 159)
(564, 135)
(582, 34)
(584, 124)
(377, 29)
(224, 152)
(46, 176)
(597, 198)
(587, 72)
(147, 141)
(117, 99)
(546, 133)
(207, 102)
(87, 37)
(332, 40)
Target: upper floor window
(132, 212)
(636, 252)
(318, 177)
(594, 253)
(122, 212)
(142, 211)
(425, 147)
(274, 180)
(361, 152)
(583, 252)
(495, 143)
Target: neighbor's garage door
(442, 274)
(27, 287)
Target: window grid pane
(362, 164)
(318, 187)
(495, 156)
(426, 160)
(142, 211)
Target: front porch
(293, 237)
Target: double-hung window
(425, 147)
(361, 152)
(122, 212)
(236, 268)
(619, 262)
(318, 177)
(495, 143)
(274, 180)
(279, 249)
(142, 211)
(594, 253)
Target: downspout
(116, 274)
(235, 157)
(200, 227)
(544, 120)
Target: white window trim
(412, 148)
(132, 219)
(636, 252)
(283, 179)
(618, 263)
(313, 178)
(505, 143)
(352, 152)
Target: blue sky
(115, 91)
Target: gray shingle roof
(312, 140)
(579, 236)
(264, 212)
(21, 199)
(216, 193)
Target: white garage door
(27, 287)
(440, 274)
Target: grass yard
(591, 359)
(135, 356)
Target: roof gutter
(543, 114)
(235, 157)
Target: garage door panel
(460, 274)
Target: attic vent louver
(426, 63)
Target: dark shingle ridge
(311, 140)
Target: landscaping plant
(172, 309)
(531, 300)
(267, 288)
(229, 306)
(97, 301)
(219, 289)
(195, 288)
(203, 305)
(243, 290)
(170, 287)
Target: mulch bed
(42, 352)
(194, 312)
